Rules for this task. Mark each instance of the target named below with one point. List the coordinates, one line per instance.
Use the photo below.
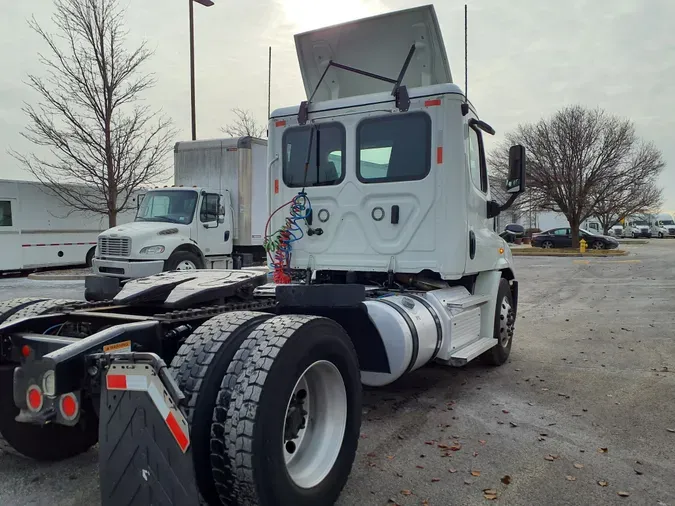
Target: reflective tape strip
(174, 419)
(59, 244)
(127, 382)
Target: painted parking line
(603, 261)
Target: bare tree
(637, 198)
(244, 125)
(90, 117)
(578, 158)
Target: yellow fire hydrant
(582, 246)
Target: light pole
(205, 3)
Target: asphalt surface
(580, 413)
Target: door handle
(394, 214)
(226, 236)
(472, 244)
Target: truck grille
(671, 231)
(114, 246)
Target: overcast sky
(527, 58)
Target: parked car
(562, 238)
(512, 232)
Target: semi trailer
(224, 387)
(212, 217)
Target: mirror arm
(494, 209)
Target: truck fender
(487, 283)
(192, 248)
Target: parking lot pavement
(14, 288)
(579, 414)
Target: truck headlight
(152, 250)
(49, 383)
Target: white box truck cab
(663, 226)
(211, 218)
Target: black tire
(504, 323)
(42, 307)
(52, 442)
(598, 245)
(90, 257)
(180, 256)
(285, 347)
(11, 306)
(547, 244)
(199, 367)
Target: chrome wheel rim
(547, 244)
(186, 265)
(315, 424)
(507, 323)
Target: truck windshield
(667, 222)
(640, 223)
(168, 206)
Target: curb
(573, 255)
(56, 277)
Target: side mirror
(516, 180)
(139, 199)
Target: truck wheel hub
(507, 323)
(314, 424)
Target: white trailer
(38, 229)
(213, 217)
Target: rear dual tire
(292, 354)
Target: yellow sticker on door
(123, 347)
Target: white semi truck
(211, 218)
(662, 225)
(385, 260)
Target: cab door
(214, 234)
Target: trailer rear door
(10, 235)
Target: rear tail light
(34, 398)
(69, 406)
(25, 351)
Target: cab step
(467, 302)
(466, 354)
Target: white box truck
(213, 217)
(39, 230)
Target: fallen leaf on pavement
(430, 443)
(513, 424)
(506, 480)
(467, 482)
(406, 492)
(451, 470)
(671, 430)
(482, 441)
(390, 457)
(505, 411)
(579, 466)
(475, 454)
(602, 450)
(623, 494)
(570, 478)
(455, 448)
(419, 467)
(490, 494)
(603, 483)
(371, 455)
(549, 458)
(435, 480)
(475, 472)
(425, 502)
(638, 472)
(392, 501)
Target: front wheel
(505, 321)
(547, 244)
(660, 235)
(598, 245)
(295, 414)
(183, 261)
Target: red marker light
(25, 350)
(34, 398)
(69, 406)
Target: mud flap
(144, 456)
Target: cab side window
(477, 165)
(209, 209)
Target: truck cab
(175, 228)
(663, 226)
(637, 227)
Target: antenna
(465, 105)
(269, 81)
